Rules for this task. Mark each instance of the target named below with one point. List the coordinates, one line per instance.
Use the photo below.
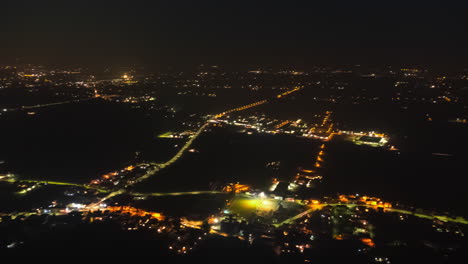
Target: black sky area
(179, 32)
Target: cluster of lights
(112, 177)
(30, 188)
(323, 130)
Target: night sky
(181, 32)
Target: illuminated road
(187, 145)
(294, 218)
(177, 156)
(112, 194)
(442, 218)
(176, 193)
(459, 220)
(317, 130)
(46, 105)
(157, 166)
(53, 104)
(241, 108)
(56, 183)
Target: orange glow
(368, 242)
(339, 237)
(213, 220)
(237, 188)
(156, 215)
(191, 223)
(343, 198)
(134, 211)
(315, 202)
(130, 168)
(283, 124)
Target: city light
(201, 159)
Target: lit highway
(241, 108)
(176, 193)
(157, 166)
(51, 104)
(56, 183)
(54, 104)
(458, 220)
(179, 154)
(294, 218)
(185, 147)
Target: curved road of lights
(180, 153)
(157, 167)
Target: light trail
(185, 147)
(176, 193)
(177, 156)
(158, 167)
(241, 108)
(55, 183)
(53, 104)
(282, 124)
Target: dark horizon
(235, 34)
